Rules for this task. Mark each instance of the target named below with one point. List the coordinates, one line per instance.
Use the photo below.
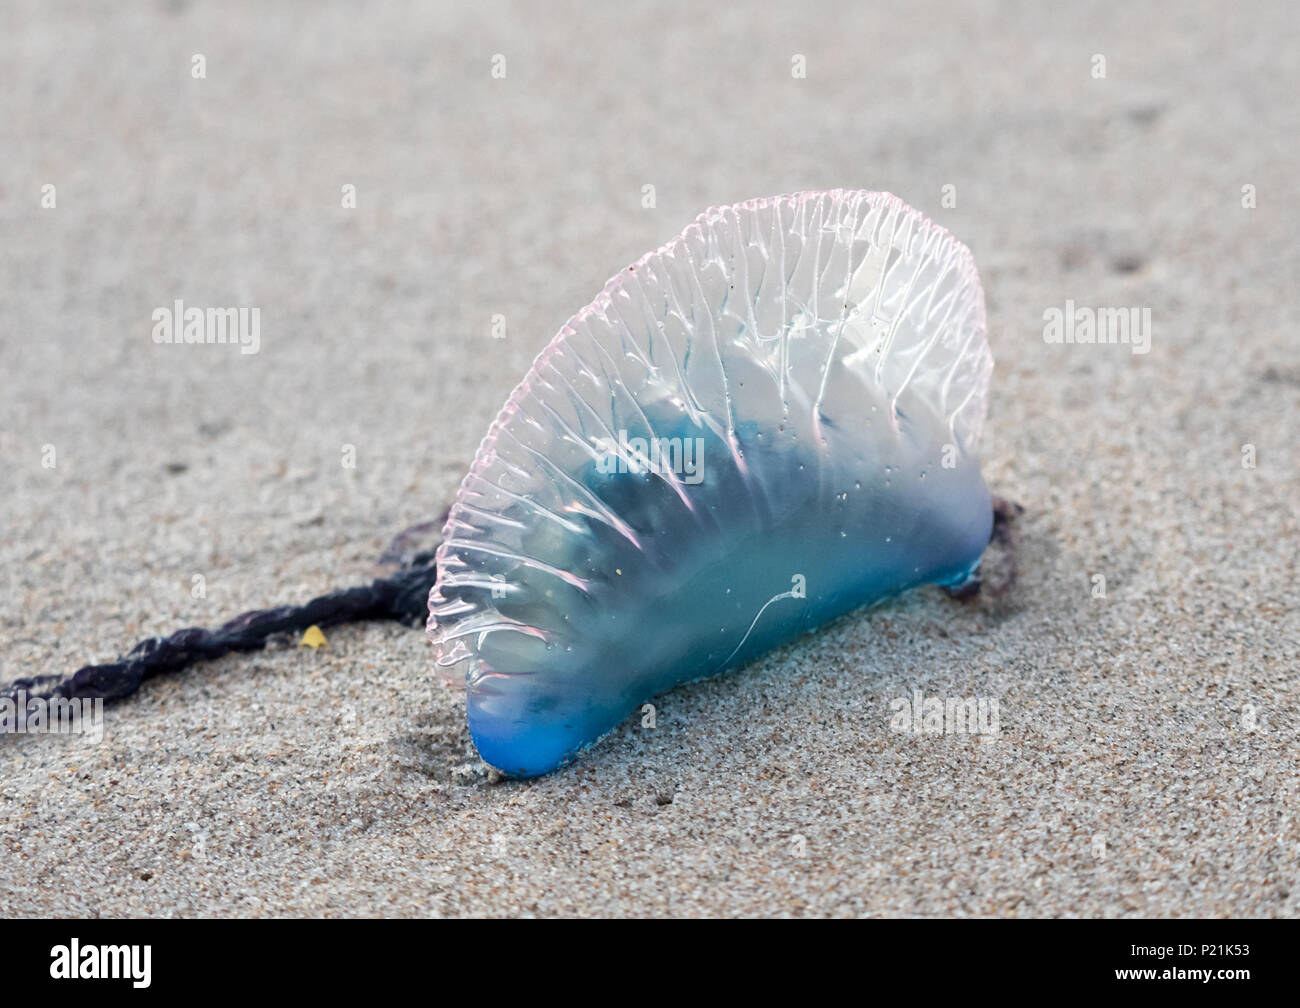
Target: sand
(1145, 762)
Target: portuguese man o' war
(770, 421)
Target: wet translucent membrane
(768, 422)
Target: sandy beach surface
(1146, 755)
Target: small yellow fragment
(313, 638)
